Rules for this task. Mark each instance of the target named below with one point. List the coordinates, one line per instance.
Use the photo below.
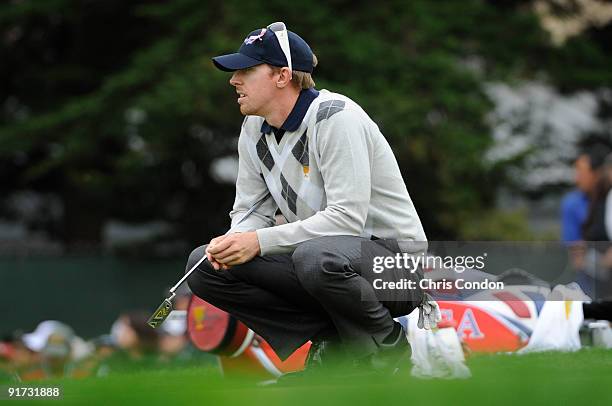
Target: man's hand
(212, 261)
(232, 249)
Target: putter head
(161, 314)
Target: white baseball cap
(37, 339)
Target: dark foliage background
(114, 109)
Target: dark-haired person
(334, 177)
(594, 226)
(599, 228)
(134, 337)
(582, 210)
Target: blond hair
(303, 80)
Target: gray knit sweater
(335, 175)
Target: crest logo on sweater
(300, 152)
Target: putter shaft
(163, 311)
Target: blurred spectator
(574, 209)
(53, 350)
(134, 336)
(594, 226)
(575, 204)
(602, 228)
(50, 351)
(173, 333)
(132, 345)
(598, 227)
(55, 355)
(597, 266)
(582, 209)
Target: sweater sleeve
(250, 187)
(345, 152)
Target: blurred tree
(115, 106)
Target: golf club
(163, 311)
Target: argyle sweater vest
(335, 175)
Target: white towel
(436, 353)
(558, 325)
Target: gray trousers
(317, 292)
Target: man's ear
(284, 78)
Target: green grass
(551, 379)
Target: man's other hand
(232, 249)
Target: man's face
(256, 88)
(586, 177)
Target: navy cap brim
(232, 62)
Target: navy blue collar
(294, 119)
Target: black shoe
(393, 354)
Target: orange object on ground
(239, 348)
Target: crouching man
(333, 176)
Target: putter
(163, 311)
